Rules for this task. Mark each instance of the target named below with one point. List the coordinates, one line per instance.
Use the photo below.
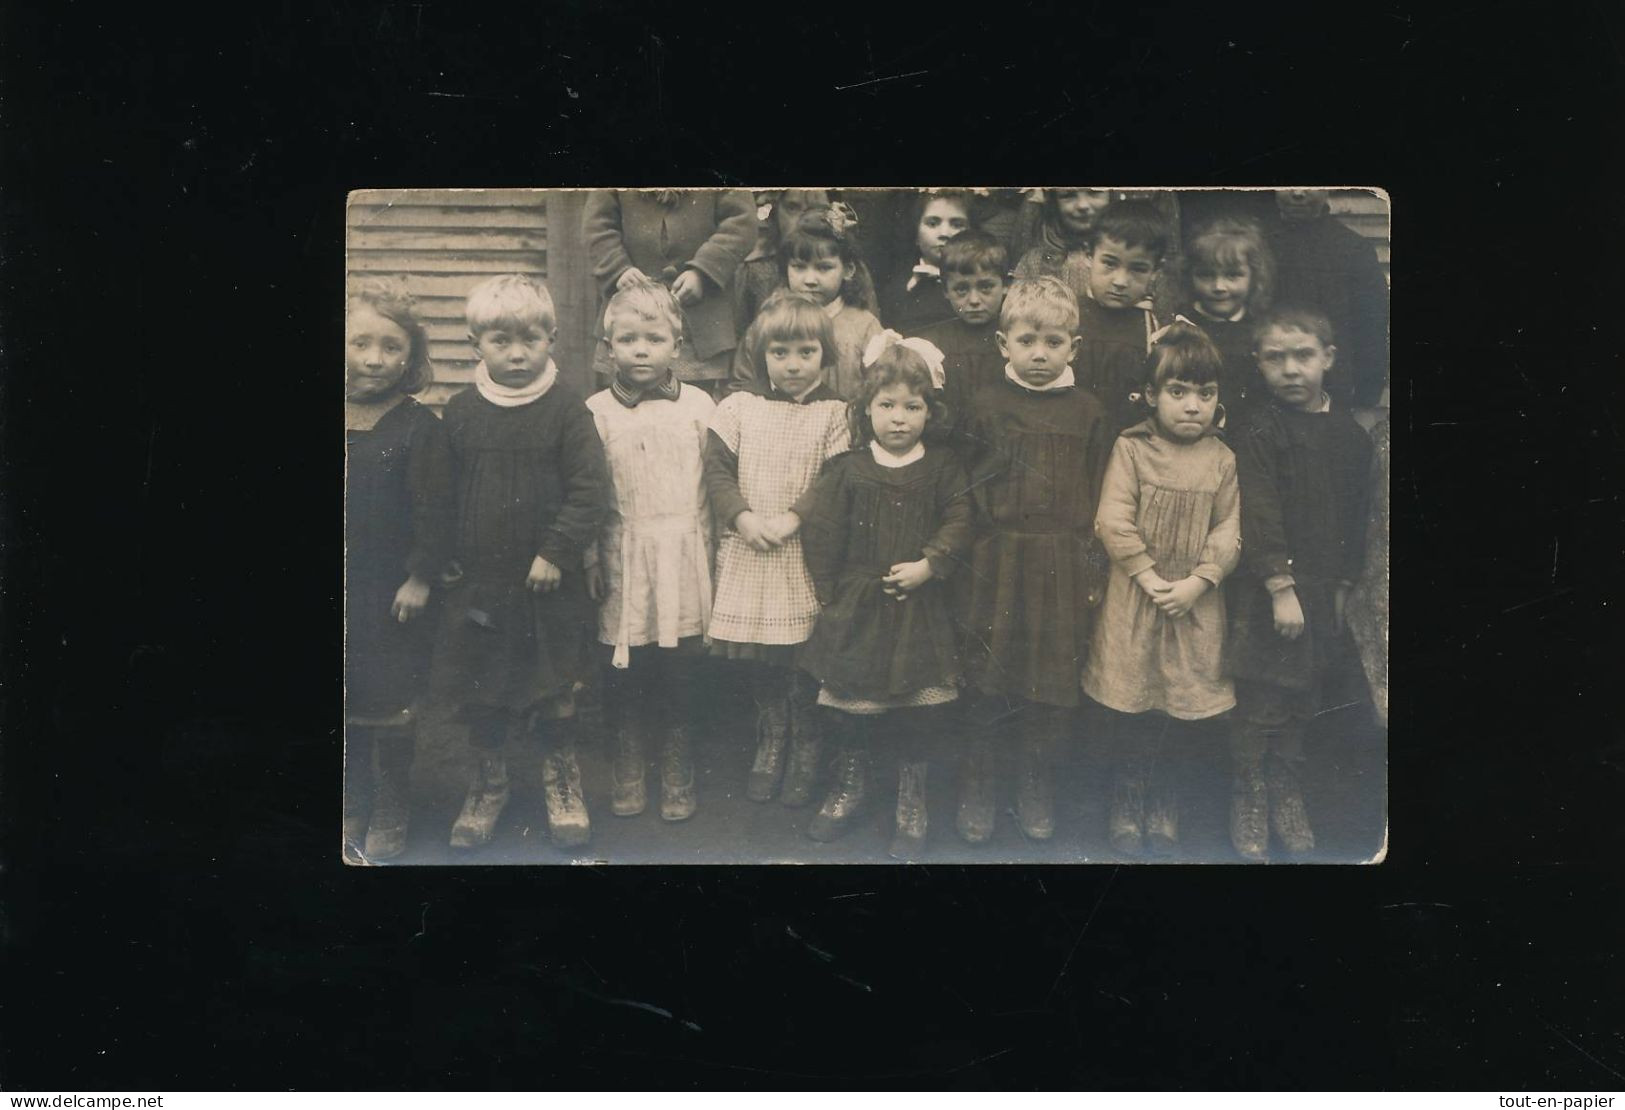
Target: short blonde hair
(1044, 301)
(647, 300)
(510, 300)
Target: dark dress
(1111, 360)
(1327, 265)
(971, 361)
(910, 311)
(396, 524)
(1242, 390)
(866, 518)
(1305, 490)
(1035, 478)
(530, 480)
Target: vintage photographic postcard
(817, 525)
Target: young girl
(777, 211)
(1170, 518)
(1062, 250)
(915, 300)
(1229, 279)
(396, 525)
(689, 240)
(530, 485)
(651, 567)
(764, 452)
(1037, 448)
(890, 521)
(819, 256)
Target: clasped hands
(1174, 598)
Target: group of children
(930, 515)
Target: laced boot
(486, 798)
(1126, 823)
(846, 797)
(628, 794)
(1035, 791)
(801, 764)
(391, 804)
(1288, 817)
(1249, 811)
(567, 821)
(1162, 821)
(677, 799)
(975, 819)
(772, 736)
(909, 843)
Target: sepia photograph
(818, 525)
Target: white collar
(1240, 313)
(508, 397)
(1066, 380)
(892, 462)
(922, 268)
(833, 309)
(1325, 403)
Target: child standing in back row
(913, 300)
(975, 276)
(1229, 282)
(1126, 250)
(819, 256)
(1170, 518)
(764, 452)
(530, 485)
(1037, 445)
(1304, 466)
(651, 566)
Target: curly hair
(897, 365)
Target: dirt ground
(1345, 788)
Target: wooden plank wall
(443, 242)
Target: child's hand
(688, 288)
(905, 578)
(751, 530)
(544, 577)
(1154, 584)
(1288, 614)
(630, 276)
(1178, 598)
(595, 582)
(779, 527)
(410, 599)
(1340, 602)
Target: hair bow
(1156, 336)
(842, 219)
(928, 351)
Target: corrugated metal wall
(443, 242)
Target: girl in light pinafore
(765, 451)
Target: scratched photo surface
(969, 525)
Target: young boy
(530, 484)
(1322, 264)
(1303, 466)
(1038, 447)
(1126, 251)
(651, 566)
(975, 275)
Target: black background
(175, 916)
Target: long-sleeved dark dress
(1305, 492)
(866, 518)
(530, 480)
(1111, 359)
(1036, 459)
(396, 524)
(1242, 391)
(970, 362)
